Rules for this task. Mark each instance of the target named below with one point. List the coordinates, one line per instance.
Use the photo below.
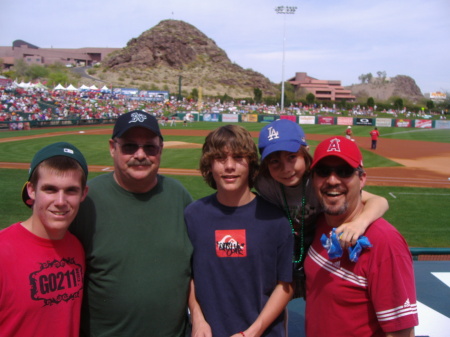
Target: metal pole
(179, 88)
(284, 10)
(282, 64)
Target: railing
(427, 254)
(26, 125)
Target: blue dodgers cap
(135, 118)
(56, 149)
(281, 135)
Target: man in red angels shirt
(374, 296)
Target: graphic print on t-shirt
(231, 243)
(56, 281)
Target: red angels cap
(341, 147)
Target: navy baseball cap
(281, 135)
(49, 151)
(135, 118)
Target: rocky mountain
(382, 89)
(160, 55)
(174, 50)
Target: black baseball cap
(135, 118)
(56, 149)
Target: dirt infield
(425, 164)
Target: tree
(57, 77)
(21, 68)
(289, 93)
(343, 104)
(36, 71)
(310, 98)
(362, 78)
(398, 104)
(430, 104)
(257, 93)
(194, 94)
(226, 98)
(365, 78)
(370, 102)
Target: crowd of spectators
(43, 105)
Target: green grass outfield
(421, 214)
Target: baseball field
(410, 168)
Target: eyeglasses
(344, 171)
(132, 148)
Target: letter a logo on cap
(137, 117)
(334, 145)
(273, 134)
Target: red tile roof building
(323, 90)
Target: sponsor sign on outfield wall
(230, 118)
(344, 121)
(442, 124)
(211, 117)
(291, 118)
(364, 121)
(383, 122)
(307, 120)
(423, 123)
(325, 120)
(265, 119)
(250, 118)
(403, 123)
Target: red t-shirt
(373, 296)
(374, 134)
(41, 284)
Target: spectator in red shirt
(374, 134)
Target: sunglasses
(344, 171)
(132, 148)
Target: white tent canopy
(105, 89)
(71, 88)
(25, 85)
(83, 88)
(93, 87)
(59, 87)
(39, 85)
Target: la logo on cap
(334, 145)
(273, 134)
(137, 117)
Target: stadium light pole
(284, 10)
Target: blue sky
(328, 39)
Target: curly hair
(235, 139)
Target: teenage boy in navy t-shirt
(242, 261)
